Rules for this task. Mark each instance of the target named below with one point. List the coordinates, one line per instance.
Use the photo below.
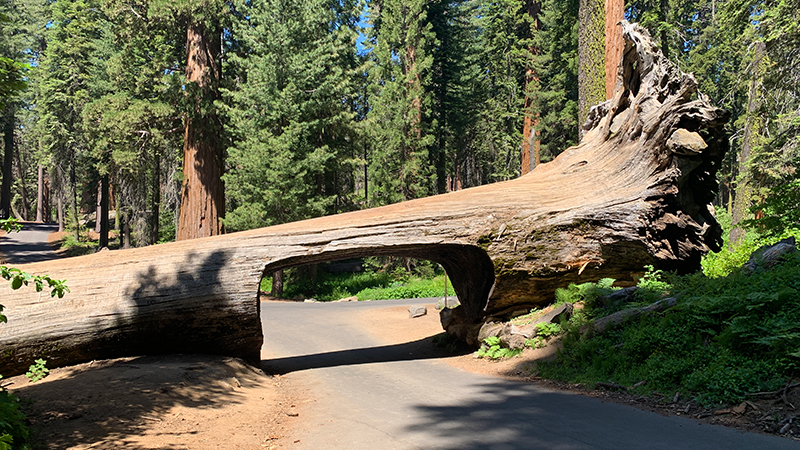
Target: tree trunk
(635, 191)
(125, 228)
(73, 196)
(203, 193)
(615, 11)
(60, 212)
(23, 190)
(531, 135)
(40, 195)
(98, 208)
(155, 206)
(591, 57)
(8, 163)
(102, 213)
(277, 284)
(743, 193)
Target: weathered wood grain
(635, 191)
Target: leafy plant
(491, 349)
(727, 337)
(37, 371)
(12, 422)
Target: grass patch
(367, 285)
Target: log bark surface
(620, 199)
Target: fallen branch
(781, 391)
(602, 324)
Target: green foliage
(545, 332)
(727, 337)
(491, 349)
(291, 114)
(729, 259)
(386, 283)
(11, 79)
(778, 214)
(548, 330)
(13, 431)
(37, 371)
(414, 288)
(585, 292)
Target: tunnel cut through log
(469, 268)
(636, 190)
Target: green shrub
(13, 432)
(491, 349)
(727, 337)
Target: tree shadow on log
(167, 310)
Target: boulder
(415, 311)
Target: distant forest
(190, 118)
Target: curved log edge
(635, 191)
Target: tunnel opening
(469, 272)
(363, 278)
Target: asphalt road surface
(373, 396)
(28, 245)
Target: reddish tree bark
(530, 132)
(615, 11)
(203, 193)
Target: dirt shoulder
(164, 402)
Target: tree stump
(637, 190)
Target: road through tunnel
(469, 269)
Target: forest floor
(200, 402)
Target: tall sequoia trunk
(743, 193)
(203, 194)
(8, 163)
(615, 12)
(531, 135)
(591, 57)
(636, 190)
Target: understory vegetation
(381, 279)
(732, 333)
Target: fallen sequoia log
(635, 191)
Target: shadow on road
(28, 245)
(513, 415)
(410, 351)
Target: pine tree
(399, 124)
(133, 129)
(68, 76)
(291, 112)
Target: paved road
(29, 245)
(373, 396)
